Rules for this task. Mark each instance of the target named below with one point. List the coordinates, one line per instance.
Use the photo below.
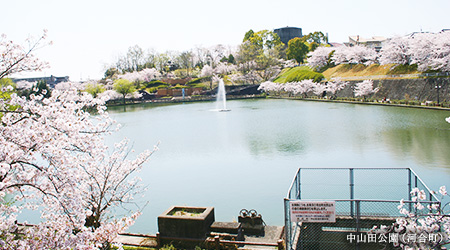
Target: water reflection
(283, 144)
(427, 146)
(400, 133)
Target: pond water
(247, 158)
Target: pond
(247, 158)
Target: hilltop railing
(357, 192)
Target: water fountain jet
(221, 99)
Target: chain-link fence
(363, 198)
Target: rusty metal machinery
(252, 222)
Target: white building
(375, 42)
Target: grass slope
(349, 70)
(297, 74)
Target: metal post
(158, 240)
(409, 188)
(415, 185)
(217, 242)
(358, 226)
(409, 184)
(280, 244)
(299, 186)
(287, 224)
(352, 191)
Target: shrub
(198, 80)
(178, 86)
(156, 83)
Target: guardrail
(359, 193)
(377, 77)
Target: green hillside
(297, 74)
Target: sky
(88, 36)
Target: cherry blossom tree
(364, 88)
(429, 51)
(320, 57)
(215, 53)
(207, 71)
(236, 78)
(334, 86)
(395, 51)
(304, 86)
(224, 68)
(319, 89)
(69, 86)
(269, 73)
(431, 223)
(252, 77)
(145, 75)
(269, 86)
(442, 52)
(362, 55)
(249, 77)
(247, 66)
(293, 88)
(24, 84)
(421, 46)
(17, 58)
(340, 55)
(53, 158)
(110, 95)
(248, 70)
(354, 55)
(288, 63)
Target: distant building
(412, 35)
(51, 80)
(335, 44)
(375, 42)
(287, 33)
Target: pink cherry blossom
(53, 158)
(16, 58)
(364, 88)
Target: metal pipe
(352, 195)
